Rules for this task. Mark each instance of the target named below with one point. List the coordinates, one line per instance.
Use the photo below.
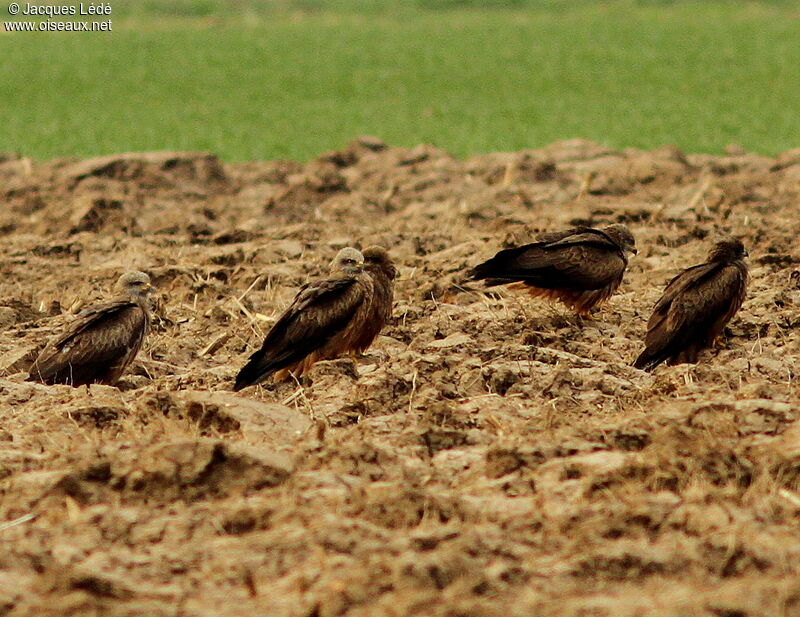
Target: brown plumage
(578, 267)
(380, 267)
(103, 340)
(695, 307)
(327, 318)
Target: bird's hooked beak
(353, 269)
(746, 253)
(633, 250)
(146, 290)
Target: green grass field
(291, 79)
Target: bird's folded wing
(683, 282)
(694, 301)
(574, 266)
(98, 316)
(319, 311)
(708, 300)
(587, 237)
(101, 336)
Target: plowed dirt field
(490, 455)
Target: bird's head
(379, 256)
(727, 250)
(350, 261)
(135, 284)
(621, 236)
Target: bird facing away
(102, 341)
(579, 267)
(328, 318)
(695, 307)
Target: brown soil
(490, 455)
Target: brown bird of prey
(579, 267)
(380, 267)
(328, 318)
(102, 341)
(695, 307)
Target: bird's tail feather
(648, 360)
(255, 371)
(481, 271)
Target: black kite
(380, 267)
(103, 340)
(327, 319)
(579, 267)
(695, 307)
